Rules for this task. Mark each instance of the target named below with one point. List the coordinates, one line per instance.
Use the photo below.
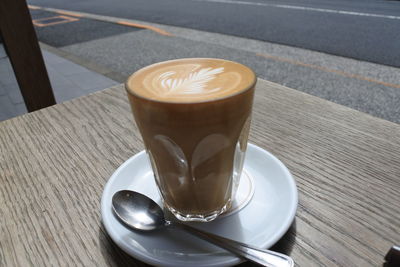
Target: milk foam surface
(191, 80)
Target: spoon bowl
(137, 211)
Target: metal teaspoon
(139, 212)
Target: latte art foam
(191, 80)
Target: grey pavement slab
(67, 68)
(14, 93)
(67, 91)
(70, 80)
(2, 52)
(52, 59)
(2, 86)
(90, 80)
(11, 102)
(7, 109)
(7, 77)
(20, 109)
(63, 88)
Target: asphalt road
(368, 30)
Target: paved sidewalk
(68, 80)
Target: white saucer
(260, 219)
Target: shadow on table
(284, 245)
(117, 257)
(113, 255)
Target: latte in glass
(194, 118)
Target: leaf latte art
(194, 83)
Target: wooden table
(55, 162)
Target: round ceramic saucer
(262, 212)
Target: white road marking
(343, 12)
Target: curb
(84, 63)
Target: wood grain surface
(55, 162)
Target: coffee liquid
(194, 116)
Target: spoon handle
(261, 256)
